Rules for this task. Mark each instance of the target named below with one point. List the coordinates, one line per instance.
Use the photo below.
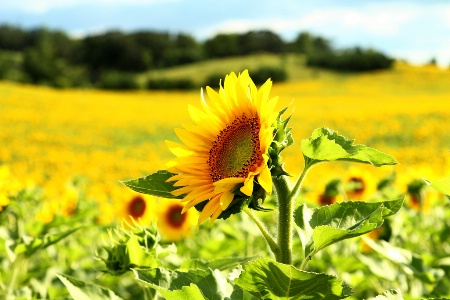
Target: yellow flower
(227, 146)
(4, 200)
(360, 184)
(172, 224)
(136, 206)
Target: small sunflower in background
(360, 185)
(173, 224)
(417, 194)
(137, 206)
(331, 194)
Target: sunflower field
(330, 187)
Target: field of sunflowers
(65, 225)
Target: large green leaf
(172, 284)
(267, 279)
(330, 224)
(81, 290)
(154, 184)
(327, 145)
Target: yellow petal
(265, 180)
(209, 208)
(247, 188)
(226, 199)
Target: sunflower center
(358, 185)
(236, 151)
(174, 217)
(136, 207)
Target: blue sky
(414, 30)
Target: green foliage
(196, 283)
(136, 246)
(282, 139)
(350, 60)
(408, 261)
(155, 184)
(27, 245)
(114, 80)
(442, 185)
(327, 145)
(86, 291)
(277, 74)
(389, 295)
(170, 84)
(321, 227)
(267, 279)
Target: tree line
(44, 56)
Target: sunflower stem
(273, 246)
(285, 218)
(286, 203)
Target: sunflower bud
(130, 247)
(282, 139)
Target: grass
(294, 64)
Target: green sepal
(327, 145)
(281, 140)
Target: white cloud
(375, 20)
(42, 6)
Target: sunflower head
(136, 206)
(224, 155)
(172, 223)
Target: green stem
(285, 218)
(273, 246)
(19, 266)
(286, 203)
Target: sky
(414, 30)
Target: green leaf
(81, 290)
(390, 295)
(327, 145)
(267, 279)
(225, 263)
(409, 262)
(211, 283)
(155, 184)
(442, 185)
(330, 224)
(27, 245)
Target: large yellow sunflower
(227, 146)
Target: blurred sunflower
(136, 206)
(360, 184)
(331, 194)
(172, 223)
(417, 194)
(8, 186)
(227, 148)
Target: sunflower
(136, 206)
(172, 224)
(226, 149)
(360, 184)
